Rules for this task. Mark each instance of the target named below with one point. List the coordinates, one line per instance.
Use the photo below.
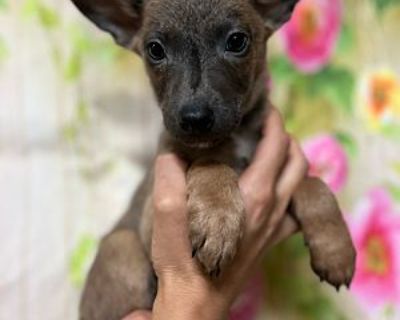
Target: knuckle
(273, 112)
(166, 204)
(278, 115)
(264, 199)
(285, 140)
(138, 316)
(302, 162)
(301, 159)
(305, 166)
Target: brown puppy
(206, 62)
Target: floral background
(78, 121)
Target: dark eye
(156, 51)
(237, 43)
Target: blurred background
(78, 122)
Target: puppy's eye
(237, 43)
(156, 51)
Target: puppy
(206, 63)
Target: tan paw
(215, 235)
(333, 258)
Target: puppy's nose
(196, 119)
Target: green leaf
(82, 114)
(335, 84)
(281, 69)
(389, 311)
(391, 131)
(47, 16)
(73, 67)
(348, 142)
(346, 39)
(81, 118)
(396, 167)
(70, 132)
(3, 4)
(395, 192)
(79, 39)
(80, 259)
(382, 5)
(3, 50)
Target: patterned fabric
(78, 120)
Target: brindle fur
(198, 72)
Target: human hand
(267, 185)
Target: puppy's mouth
(206, 141)
(201, 143)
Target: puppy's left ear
(275, 12)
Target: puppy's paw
(215, 234)
(333, 258)
(332, 252)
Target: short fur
(200, 74)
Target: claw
(202, 243)
(323, 276)
(217, 271)
(195, 249)
(214, 274)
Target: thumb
(139, 315)
(170, 241)
(169, 183)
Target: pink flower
(248, 304)
(311, 35)
(327, 160)
(376, 233)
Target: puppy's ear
(121, 18)
(275, 12)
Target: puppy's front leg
(325, 232)
(216, 214)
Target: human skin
(266, 187)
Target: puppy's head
(205, 58)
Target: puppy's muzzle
(196, 119)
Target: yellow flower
(381, 99)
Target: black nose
(196, 119)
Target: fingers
(258, 181)
(170, 244)
(169, 183)
(139, 315)
(293, 173)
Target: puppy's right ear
(121, 18)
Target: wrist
(194, 298)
